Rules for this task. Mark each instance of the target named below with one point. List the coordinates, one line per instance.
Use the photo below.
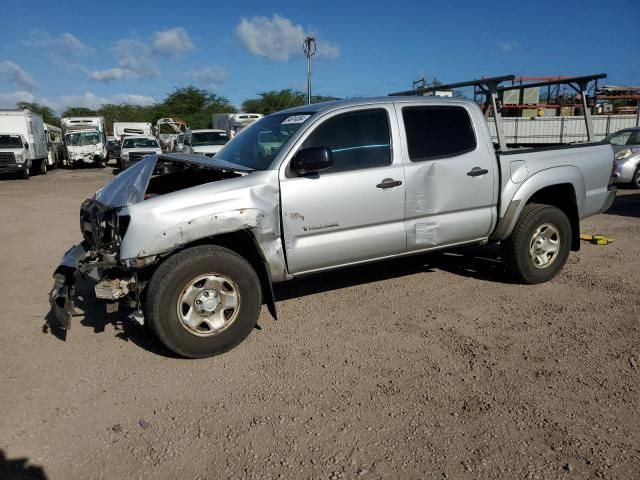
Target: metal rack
(492, 91)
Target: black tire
(516, 249)
(168, 284)
(26, 173)
(635, 182)
(42, 168)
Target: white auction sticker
(295, 119)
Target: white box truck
(55, 146)
(86, 140)
(139, 129)
(23, 148)
(233, 123)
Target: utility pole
(309, 49)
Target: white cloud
(327, 50)
(507, 47)
(172, 42)
(133, 99)
(133, 60)
(112, 74)
(277, 38)
(66, 42)
(87, 99)
(10, 99)
(93, 101)
(209, 76)
(12, 73)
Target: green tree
(276, 100)
(79, 112)
(47, 114)
(194, 105)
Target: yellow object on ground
(596, 239)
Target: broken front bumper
(62, 294)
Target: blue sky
(85, 53)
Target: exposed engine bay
(104, 223)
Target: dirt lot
(429, 367)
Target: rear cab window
(434, 132)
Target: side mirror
(312, 159)
(26, 145)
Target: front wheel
(635, 183)
(203, 301)
(539, 245)
(43, 167)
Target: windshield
(199, 139)
(140, 143)
(260, 143)
(10, 141)
(80, 139)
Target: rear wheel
(43, 167)
(539, 245)
(203, 301)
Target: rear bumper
(611, 196)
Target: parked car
(135, 149)
(626, 144)
(205, 141)
(193, 244)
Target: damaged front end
(96, 259)
(154, 208)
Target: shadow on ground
(626, 205)
(19, 469)
(92, 313)
(482, 263)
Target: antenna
(309, 49)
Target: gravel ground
(429, 367)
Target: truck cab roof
(355, 102)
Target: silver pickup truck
(192, 245)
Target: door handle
(477, 171)
(389, 183)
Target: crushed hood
(130, 185)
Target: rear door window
(437, 132)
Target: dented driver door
(452, 178)
(354, 210)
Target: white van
(23, 148)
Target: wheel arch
(561, 187)
(245, 244)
